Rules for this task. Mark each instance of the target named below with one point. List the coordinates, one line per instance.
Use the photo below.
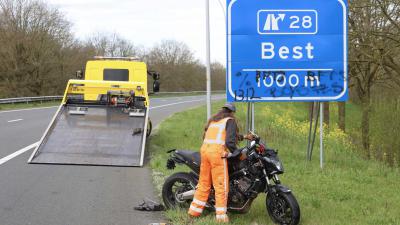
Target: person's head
(227, 110)
(230, 107)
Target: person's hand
(240, 137)
(249, 137)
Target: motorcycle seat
(190, 156)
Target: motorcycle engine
(244, 183)
(237, 190)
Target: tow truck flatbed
(102, 136)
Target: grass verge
(349, 190)
(27, 105)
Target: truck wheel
(149, 128)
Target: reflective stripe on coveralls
(213, 171)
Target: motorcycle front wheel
(176, 184)
(283, 208)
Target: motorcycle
(252, 170)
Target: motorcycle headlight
(276, 162)
(278, 165)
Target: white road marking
(176, 103)
(12, 121)
(17, 153)
(18, 110)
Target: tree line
(374, 37)
(39, 53)
(374, 78)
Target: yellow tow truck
(103, 118)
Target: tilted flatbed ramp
(101, 136)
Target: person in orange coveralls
(220, 137)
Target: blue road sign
(287, 50)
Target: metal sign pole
(208, 66)
(252, 117)
(248, 120)
(317, 106)
(310, 132)
(321, 137)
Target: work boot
(189, 220)
(222, 218)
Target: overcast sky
(146, 22)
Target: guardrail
(29, 99)
(42, 99)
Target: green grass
(349, 190)
(28, 105)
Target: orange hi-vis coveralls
(213, 170)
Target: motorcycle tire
(169, 193)
(283, 208)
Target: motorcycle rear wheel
(175, 184)
(283, 208)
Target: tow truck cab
(125, 69)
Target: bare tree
(33, 39)
(111, 44)
(171, 52)
(179, 68)
(218, 76)
(372, 48)
(390, 60)
(175, 61)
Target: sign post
(208, 65)
(287, 50)
(321, 135)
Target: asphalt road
(37, 194)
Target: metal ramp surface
(102, 136)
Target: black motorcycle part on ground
(149, 205)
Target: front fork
(270, 187)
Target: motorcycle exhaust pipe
(188, 195)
